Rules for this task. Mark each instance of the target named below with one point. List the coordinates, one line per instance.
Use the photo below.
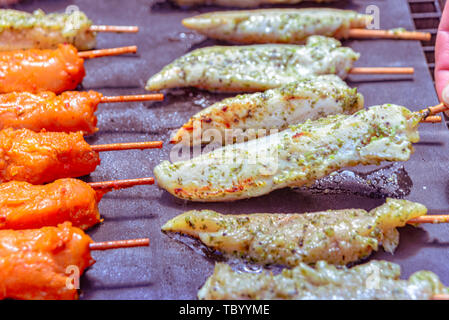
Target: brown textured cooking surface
(170, 270)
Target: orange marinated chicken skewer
(27, 206)
(56, 70)
(68, 112)
(40, 264)
(40, 157)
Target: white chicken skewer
(251, 116)
(294, 157)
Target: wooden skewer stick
(106, 52)
(430, 219)
(106, 245)
(127, 146)
(121, 184)
(382, 70)
(432, 119)
(389, 34)
(118, 29)
(131, 98)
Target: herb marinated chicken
(252, 116)
(294, 157)
(23, 30)
(338, 237)
(277, 25)
(256, 67)
(375, 280)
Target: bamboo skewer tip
(117, 29)
(389, 34)
(90, 54)
(121, 184)
(127, 146)
(382, 70)
(118, 244)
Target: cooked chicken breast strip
(252, 116)
(375, 280)
(23, 30)
(243, 4)
(256, 67)
(294, 157)
(338, 237)
(277, 25)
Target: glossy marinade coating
(37, 70)
(251, 116)
(23, 30)
(375, 280)
(42, 157)
(277, 25)
(244, 3)
(256, 67)
(294, 157)
(338, 237)
(27, 206)
(34, 262)
(70, 111)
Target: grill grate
(426, 15)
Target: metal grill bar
(426, 15)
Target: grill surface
(170, 270)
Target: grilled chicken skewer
(294, 157)
(40, 157)
(37, 264)
(27, 206)
(339, 237)
(70, 111)
(259, 67)
(289, 25)
(56, 70)
(243, 4)
(252, 116)
(23, 30)
(375, 280)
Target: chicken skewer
(252, 116)
(56, 70)
(294, 157)
(68, 112)
(339, 237)
(290, 25)
(23, 30)
(40, 157)
(39, 264)
(375, 280)
(27, 206)
(260, 67)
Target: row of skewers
(307, 151)
(321, 126)
(42, 141)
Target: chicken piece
(252, 116)
(36, 70)
(338, 237)
(256, 67)
(69, 112)
(294, 157)
(23, 30)
(277, 25)
(243, 4)
(42, 157)
(375, 280)
(34, 263)
(27, 206)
